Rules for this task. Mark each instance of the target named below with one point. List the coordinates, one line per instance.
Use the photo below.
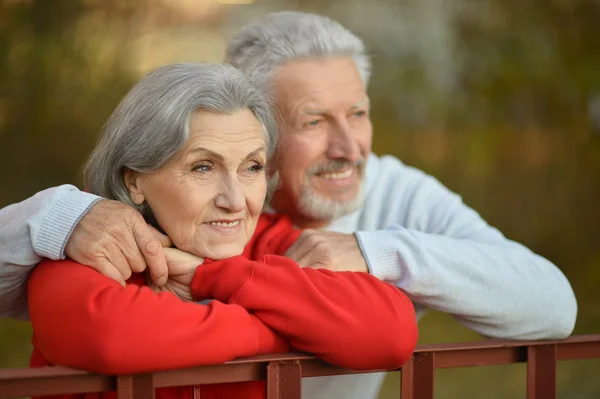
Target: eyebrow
(218, 156)
(322, 112)
(361, 103)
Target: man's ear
(133, 181)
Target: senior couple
(331, 265)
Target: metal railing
(284, 372)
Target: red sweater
(264, 303)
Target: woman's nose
(231, 197)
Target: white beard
(316, 207)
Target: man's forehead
(344, 104)
(321, 83)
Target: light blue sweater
(414, 233)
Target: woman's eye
(202, 168)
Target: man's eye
(256, 168)
(360, 113)
(314, 122)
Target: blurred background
(499, 99)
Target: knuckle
(135, 219)
(100, 267)
(97, 257)
(152, 248)
(313, 240)
(323, 246)
(119, 231)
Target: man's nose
(231, 197)
(343, 143)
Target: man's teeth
(222, 224)
(339, 175)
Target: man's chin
(335, 195)
(319, 206)
(338, 199)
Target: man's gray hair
(151, 124)
(261, 47)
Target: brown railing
(284, 372)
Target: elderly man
(363, 213)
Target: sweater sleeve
(446, 257)
(349, 319)
(30, 230)
(85, 320)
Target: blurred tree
(62, 72)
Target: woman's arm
(85, 320)
(349, 319)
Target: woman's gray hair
(261, 47)
(151, 124)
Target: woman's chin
(222, 252)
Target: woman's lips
(224, 223)
(225, 226)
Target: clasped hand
(328, 250)
(182, 267)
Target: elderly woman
(188, 147)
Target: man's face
(324, 139)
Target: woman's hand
(182, 267)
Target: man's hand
(328, 250)
(114, 239)
(182, 267)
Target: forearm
(110, 329)
(349, 319)
(494, 286)
(30, 230)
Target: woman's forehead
(225, 146)
(205, 122)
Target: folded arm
(30, 230)
(445, 257)
(349, 319)
(85, 320)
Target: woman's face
(209, 198)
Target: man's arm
(30, 230)
(445, 257)
(108, 236)
(421, 237)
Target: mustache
(336, 165)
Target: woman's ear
(133, 181)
